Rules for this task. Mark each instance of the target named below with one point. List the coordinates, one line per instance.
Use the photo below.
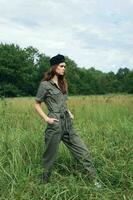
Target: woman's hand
(71, 116)
(51, 120)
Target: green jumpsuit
(62, 130)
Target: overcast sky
(93, 33)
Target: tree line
(21, 70)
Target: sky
(93, 33)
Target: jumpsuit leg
(79, 150)
(52, 140)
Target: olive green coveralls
(62, 130)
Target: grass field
(105, 123)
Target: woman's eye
(62, 65)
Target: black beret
(57, 59)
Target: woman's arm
(39, 110)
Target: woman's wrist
(72, 116)
(46, 119)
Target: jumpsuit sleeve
(41, 92)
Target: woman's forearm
(40, 111)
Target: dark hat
(57, 59)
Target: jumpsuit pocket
(55, 95)
(54, 92)
(52, 130)
(56, 124)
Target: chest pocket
(54, 94)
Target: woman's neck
(55, 79)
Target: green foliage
(17, 71)
(21, 70)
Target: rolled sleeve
(41, 92)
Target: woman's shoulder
(45, 84)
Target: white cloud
(91, 32)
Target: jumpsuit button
(61, 115)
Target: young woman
(53, 91)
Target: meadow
(105, 123)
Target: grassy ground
(105, 123)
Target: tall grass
(105, 123)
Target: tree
(21, 70)
(17, 71)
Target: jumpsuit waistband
(61, 112)
(67, 126)
(66, 121)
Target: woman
(53, 91)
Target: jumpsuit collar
(51, 81)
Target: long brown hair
(61, 79)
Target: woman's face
(60, 69)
